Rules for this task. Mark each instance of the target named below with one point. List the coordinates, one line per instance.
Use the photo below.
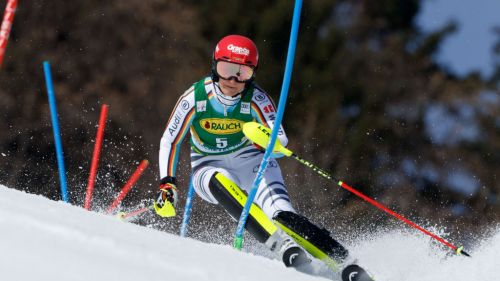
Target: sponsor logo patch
(220, 126)
(260, 97)
(271, 164)
(245, 108)
(238, 50)
(201, 106)
(268, 108)
(174, 124)
(185, 105)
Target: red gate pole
(96, 155)
(7, 21)
(126, 188)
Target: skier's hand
(167, 200)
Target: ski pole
(187, 208)
(124, 216)
(259, 134)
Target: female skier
(224, 162)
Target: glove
(273, 155)
(167, 198)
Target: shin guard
(317, 241)
(232, 198)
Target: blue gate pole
(187, 209)
(238, 239)
(55, 127)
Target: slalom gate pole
(8, 19)
(187, 209)
(238, 239)
(130, 183)
(96, 155)
(259, 134)
(57, 134)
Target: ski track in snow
(42, 240)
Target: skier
(224, 161)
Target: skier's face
(231, 87)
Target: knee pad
(300, 228)
(232, 199)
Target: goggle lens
(227, 70)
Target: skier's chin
(231, 88)
(230, 91)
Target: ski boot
(319, 243)
(287, 250)
(354, 272)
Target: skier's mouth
(228, 87)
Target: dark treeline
(366, 102)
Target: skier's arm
(177, 127)
(264, 111)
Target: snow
(396, 255)
(45, 240)
(42, 239)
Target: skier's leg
(214, 181)
(232, 198)
(215, 184)
(229, 196)
(272, 197)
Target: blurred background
(380, 97)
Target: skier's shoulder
(259, 96)
(189, 94)
(205, 82)
(186, 101)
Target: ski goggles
(227, 70)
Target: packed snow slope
(45, 240)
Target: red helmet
(237, 49)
